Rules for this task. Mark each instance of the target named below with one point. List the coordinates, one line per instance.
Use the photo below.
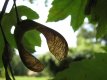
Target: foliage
(2, 72)
(65, 8)
(93, 69)
(94, 10)
(7, 25)
(28, 78)
(19, 39)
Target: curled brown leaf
(56, 43)
(29, 60)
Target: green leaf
(30, 43)
(7, 23)
(25, 11)
(99, 15)
(77, 13)
(101, 29)
(9, 20)
(62, 9)
(94, 69)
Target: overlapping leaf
(61, 9)
(25, 11)
(79, 9)
(97, 10)
(56, 43)
(77, 13)
(94, 69)
(30, 42)
(9, 20)
(99, 14)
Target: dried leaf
(28, 59)
(56, 43)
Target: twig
(17, 15)
(1, 16)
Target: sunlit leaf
(56, 43)
(25, 11)
(61, 9)
(77, 13)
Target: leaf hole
(23, 17)
(12, 29)
(16, 51)
(29, 41)
(86, 20)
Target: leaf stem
(1, 16)
(17, 16)
(6, 63)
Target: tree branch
(3, 9)
(1, 16)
